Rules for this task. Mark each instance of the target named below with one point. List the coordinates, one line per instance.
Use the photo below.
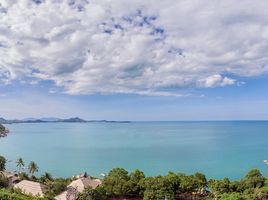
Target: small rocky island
(3, 131)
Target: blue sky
(248, 101)
(134, 60)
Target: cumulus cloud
(142, 47)
(215, 81)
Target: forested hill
(3, 131)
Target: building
(78, 186)
(31, 188)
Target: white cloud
(215, 81)
(142, 47)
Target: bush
(57, 186)
(24, 176)
(3, 181)
(7, 194)
(2, 163)
(91, 194)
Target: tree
(237, 186)
(173, 180)
(20, 164)
(254, 179)
(135, 178)
(200, 181)
(116, 182)
(57, 186)
(3, 131)
(219, 186)
(187, 183)
(24, 176)
(46, 177)
(32, 168)
(2, 163)
(157, 188)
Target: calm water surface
(217, 149)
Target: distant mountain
(50, 119)
(5, 121)
(2, 120)
(29, 119)
(55, 120)
(75, 119)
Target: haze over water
(217, 149)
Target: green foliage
(3, 181)
(133, 184)
(264, 189)
(24, 176)
(237, 186)
(187, 183)
(90, 194)
(119, 184)
(116, 183)
(231, 196)
(32, 167)
(252, 187)
(254, 179)
(3, 131)
(200, 180)
(158, 195)
(219, 186)
(192, 183)
(46, 177)
(2, 128)
(2, 163)
(8, 194)
(157, 188)
(20, 163)
(173, 181)
(57, 186)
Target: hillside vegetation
(3, 131)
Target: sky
(134, 60)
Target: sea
(216, 148)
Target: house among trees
(78, 186)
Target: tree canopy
(2, 163)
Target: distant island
(55, 120)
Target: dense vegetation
(2, 163)
(120, 184)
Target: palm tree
(32, 167)
(46, 177)
(20, 164)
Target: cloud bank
(141, 47)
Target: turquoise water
(217, 149)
